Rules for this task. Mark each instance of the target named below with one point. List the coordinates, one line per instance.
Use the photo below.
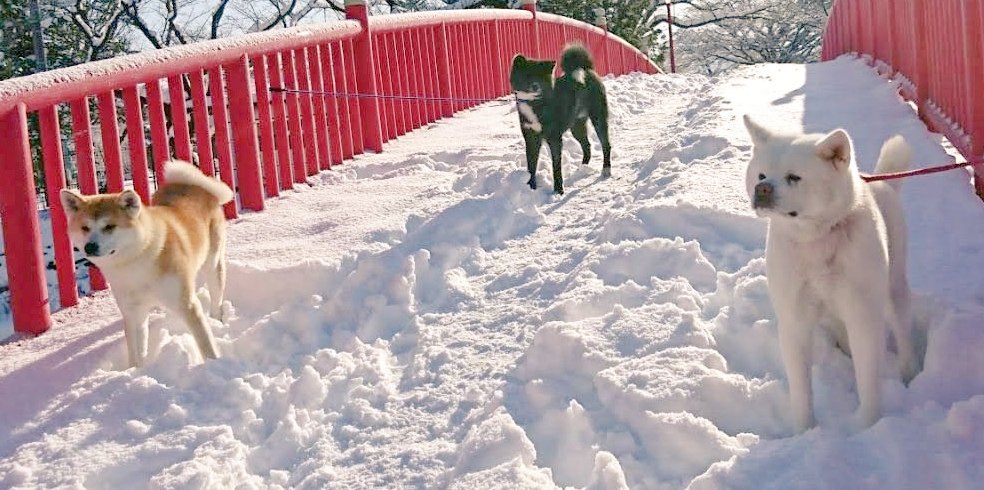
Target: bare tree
(780, 31)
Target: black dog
(548, 109)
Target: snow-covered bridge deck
(420, 318)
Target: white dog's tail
(896, 156)
(178, 172)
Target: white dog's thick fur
(835, 256)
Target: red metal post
(86, 165)
(403, 67)
(203, 132)
(489, 61)
(335, 134)
(396, 80)
(364, 77)
(179, 118)
(355, 103)
(393, 108)
(973, 23)
(413, 78)
(158, 129)
(923, 57)
(444, 74)
(534, 29)
(342, 85)
(307, 112)
(137, 143)
(434, 82)
(222, 143)
(294, 117)
(109, 130)
(320, 115)
(21, 227)
(265, 120)
(458, 58)
(424, 65)
(470, 55)
(501, 60)
(419, 72)
(54, 182)
(430, 54)
(285, 175)
(244, 137)
(377, 57)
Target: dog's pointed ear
(130, 202)
(547, 66)
(518, 60)
(835, 148)
(71, 201)
(760, 135)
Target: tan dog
(151, 255)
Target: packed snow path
(421, 319)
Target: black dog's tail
(575, 56)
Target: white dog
(835, 256)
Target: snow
(420, 318)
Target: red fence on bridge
(936, 50)
(217, 101)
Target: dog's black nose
(764, 195)
(92, 248)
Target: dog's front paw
(532, 182)
(559, 191)
(606, 172)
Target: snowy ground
(81, 274)
(420, 319)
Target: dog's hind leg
(533, 143)
(580, 132)
(556, 145)
(182, 300)
(902, 330)
(866, 333)
(600, 123)
(215, 273)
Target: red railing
(242, 126)
(935, 49)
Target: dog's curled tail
(896, 156)
(179, 172)
(574, 57)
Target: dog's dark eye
(85, 229)
(793, 214)
(793, 178)
(109, 228)
(761, 176)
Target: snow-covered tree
(170, 22)
(714, 36)
(625, 18)
(73, 32)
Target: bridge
(405, 312)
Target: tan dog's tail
(896, 156)
(179, 172)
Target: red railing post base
(365, 77)
(21, 227)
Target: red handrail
(224, 104)
(934, 49)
